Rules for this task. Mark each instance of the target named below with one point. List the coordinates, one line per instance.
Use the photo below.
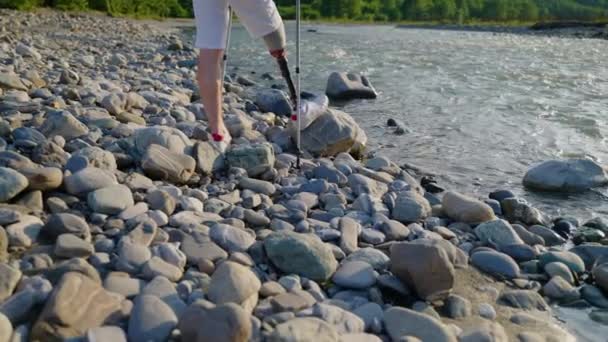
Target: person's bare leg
(209, 77)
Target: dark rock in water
(597, 223)
(564, 229)
(574, 175)
(517, 209)
(600, 274)
(590, 253)
(587, 234)
(349, 86)
(495, 263)
(391, 122)
(430, 185)
(523, 299)
(495, 205)
(500, 195)
(273, 100)
(594, 295)
(600, 316)
(424, 268)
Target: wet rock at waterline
(574, 175)
(349, 86)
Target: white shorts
(260, 17)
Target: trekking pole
(225, 58)
(298, 95)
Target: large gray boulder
(411, 207)
(273, 100)
(64, 124)
(461, 208)
(425, 268)
(499, 232)
(161, 163)
(227, 322)
(151, 320)
(331, 133)
(256, 158)
(302, 254)
(573, 175)
(168, 137)
(11, 183)
(349, 86)
(76, 305)
(209, 158)
(10, 80)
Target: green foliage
(459, 11)
(23, 5)
(146, 8)
(71, 5)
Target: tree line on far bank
(453, 11)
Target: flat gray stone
(11, 183)
(496, 263)
(304, 329)
(110, 200)
(151, 320)
(87, 180)
(497, 231)
(71, 246)
(401, 322)
(230, 238)
(355, 275)
(302, 254)
(106, 333)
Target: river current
(480, 107)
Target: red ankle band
(217, 137)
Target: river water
(481, 107)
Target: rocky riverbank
(121, 220)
